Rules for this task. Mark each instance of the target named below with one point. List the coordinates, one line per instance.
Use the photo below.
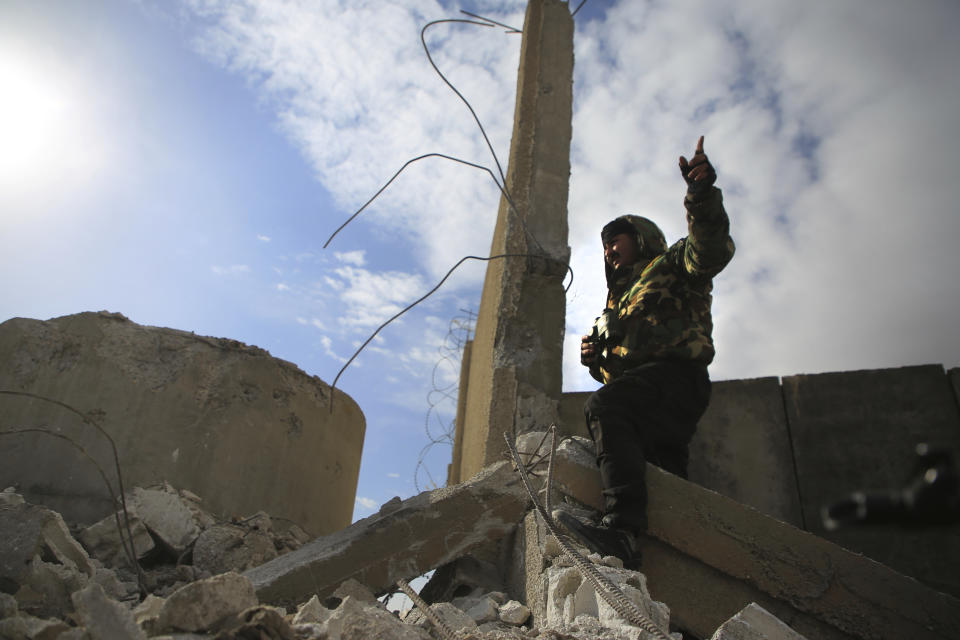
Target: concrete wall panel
(572, 422)
(857, 431)
(742, 448)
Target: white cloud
(367, 503)
(832, 127)
(356, 258)
(371, 298)
(263, 238)
(363, 100)
(282, 287)
(393, 475)
(232, 270)
(327, 343)
(831, 137)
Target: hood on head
(650, 239)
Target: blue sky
(183, 162)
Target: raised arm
(708, 246)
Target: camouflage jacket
(663, 303)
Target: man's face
(621, 250)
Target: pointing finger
(700, 145)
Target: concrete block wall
(788, 447)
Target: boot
(605, 540)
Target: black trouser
(649, 414)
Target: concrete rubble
(76, 583)
(754, 623)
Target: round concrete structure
(241, 429)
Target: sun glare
(33, 116)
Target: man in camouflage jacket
(651, 349)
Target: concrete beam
(741, 448)
(845, 590)
(404, 540)
(708, 556)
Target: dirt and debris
(65, 582)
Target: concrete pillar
(515, 369)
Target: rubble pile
(77, 584)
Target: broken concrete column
(417, 535)
(514, 379)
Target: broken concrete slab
(755, 623)
(45, 588)
(258, 622)
(146, 613)
(166, 515)
(103, 541)
(483, 610)
(8, 605)
(575, 471)
(9, 497)
(359, 592)
(202, 604)
(513, 612)
(426, 531)
(354, 620)
(103, 618)
(30, 531)
(26, 627)
(803, 579)
(311, 611)
(453, 616)
(229, 547)
(570, 595)
(772, 560)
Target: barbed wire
(459, 332)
